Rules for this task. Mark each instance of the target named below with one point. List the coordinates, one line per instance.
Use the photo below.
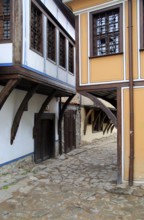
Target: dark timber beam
(61, 114)
(11, 84)
(131, 92)
(111, 101)
(43, 107)
(20, 111)
(99, 104)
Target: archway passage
(113, 96)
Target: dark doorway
(69, 131)
(45, 138)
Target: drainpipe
(60, 129)
(131, 93)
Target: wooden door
(69, 131)
(45, 138)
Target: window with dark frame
(71, 58)
(36, 29)
(62, 50)
(5, 20)
(106, 32)
(141, 24)
(51, 41)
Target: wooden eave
(28, 77)
(17, 77)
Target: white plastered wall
(7, 55)
(24, 142)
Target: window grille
(36, 29)
(62, 51)
(51, 41)
(141, 19)
(5, 20)
(71, 58)
(106, 32)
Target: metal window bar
(106, 33)
(62, 51)
(36, 28)
(51, 41)
(71, 58)
(5, 23)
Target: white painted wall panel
(51, 69)
(52, 7)
(62, 75)
(23, 143)
(6, 54)
(71, 30)
(62, 20)
(71, 79)
(35, 61)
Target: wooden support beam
(60, 121)
(43, 107)
(99, 104)
(20, 111)
(6, 91)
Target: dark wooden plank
(17, 31)
(119, 138)
(20, 111)
(61, 114)
(99, 104)
(35, 77)
(77, 50)
(43, 107)
(11, 84)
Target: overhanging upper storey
(39, 43)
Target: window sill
(51, 61)
(5, 41)
(63, 68)
(114, 54)
(37, 52)
(71, 73)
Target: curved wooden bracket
(43, 107)
(60, 121)
(99, 104)
(11, 84)
(63, 110)
(20, 111)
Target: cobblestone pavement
(80, 185)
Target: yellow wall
(135, 40)
(107, 68)
(138, 134)
(84, 47)
(113, 75)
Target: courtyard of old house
(79, 185)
